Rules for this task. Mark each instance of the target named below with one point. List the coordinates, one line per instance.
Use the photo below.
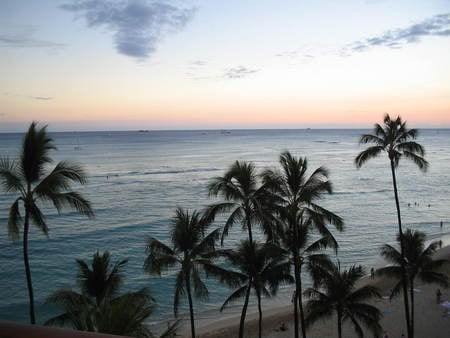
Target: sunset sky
(135, 64)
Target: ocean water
(137, 179)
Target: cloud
(137, 26)
(38, 98)
(25, 39)
(438, 25)
(238, 72)
(41, 98)
(198, 63)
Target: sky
(223, 64)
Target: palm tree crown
(191, 251)
(244, 197)
(29, 179)
(335, 293)
(394, 138)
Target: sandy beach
(431, 319)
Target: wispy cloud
(238, 72)
(41, 98)
(438, 25)
(136, 25)
(33, 97)
(25, 38)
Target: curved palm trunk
(258, 295)
(411, 292)
(402, 251)
(244, 309)
(26, 228)
(191, 307)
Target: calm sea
(137, 179)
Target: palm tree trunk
(26, 227)
(191, 307)
(300, 303)
(339, 319)
(244, 309)
(411, 292)
(402, 251)
(249, 224)
(298, 297)
(258, 295)
(295, 313)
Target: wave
(159, 172)
(350, 192)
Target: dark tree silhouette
(418, 263)
(28, 177)
(335, 293)
(397, 141)
(191, 251)
(297, 196)
(99, 308)
(261, 267)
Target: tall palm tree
(29, 178)
(418, 263)
(298, 210)
(335, 293)
(191, 251)
(98, 307)
(397, 141)
(244, 197)
(303, 253)
(261, 267)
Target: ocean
(137, 179)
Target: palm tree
(418, 263)
(397, 141)
(298, 211)
(335, 292)
(303, 254)
(102, 281)
(244, 197)
(28, 177)
(98, 308)
(191, 251)
(261, 267)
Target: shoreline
(430, 323)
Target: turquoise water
(136, 179)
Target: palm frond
(10, 178)
(232, 278)
(38, 217)
(34, 156)
(14, 220)
(367, 154)
(200, 289)
(73, 200)
(418, 160)
(159, 256)
(179, 291)
(239, 293)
